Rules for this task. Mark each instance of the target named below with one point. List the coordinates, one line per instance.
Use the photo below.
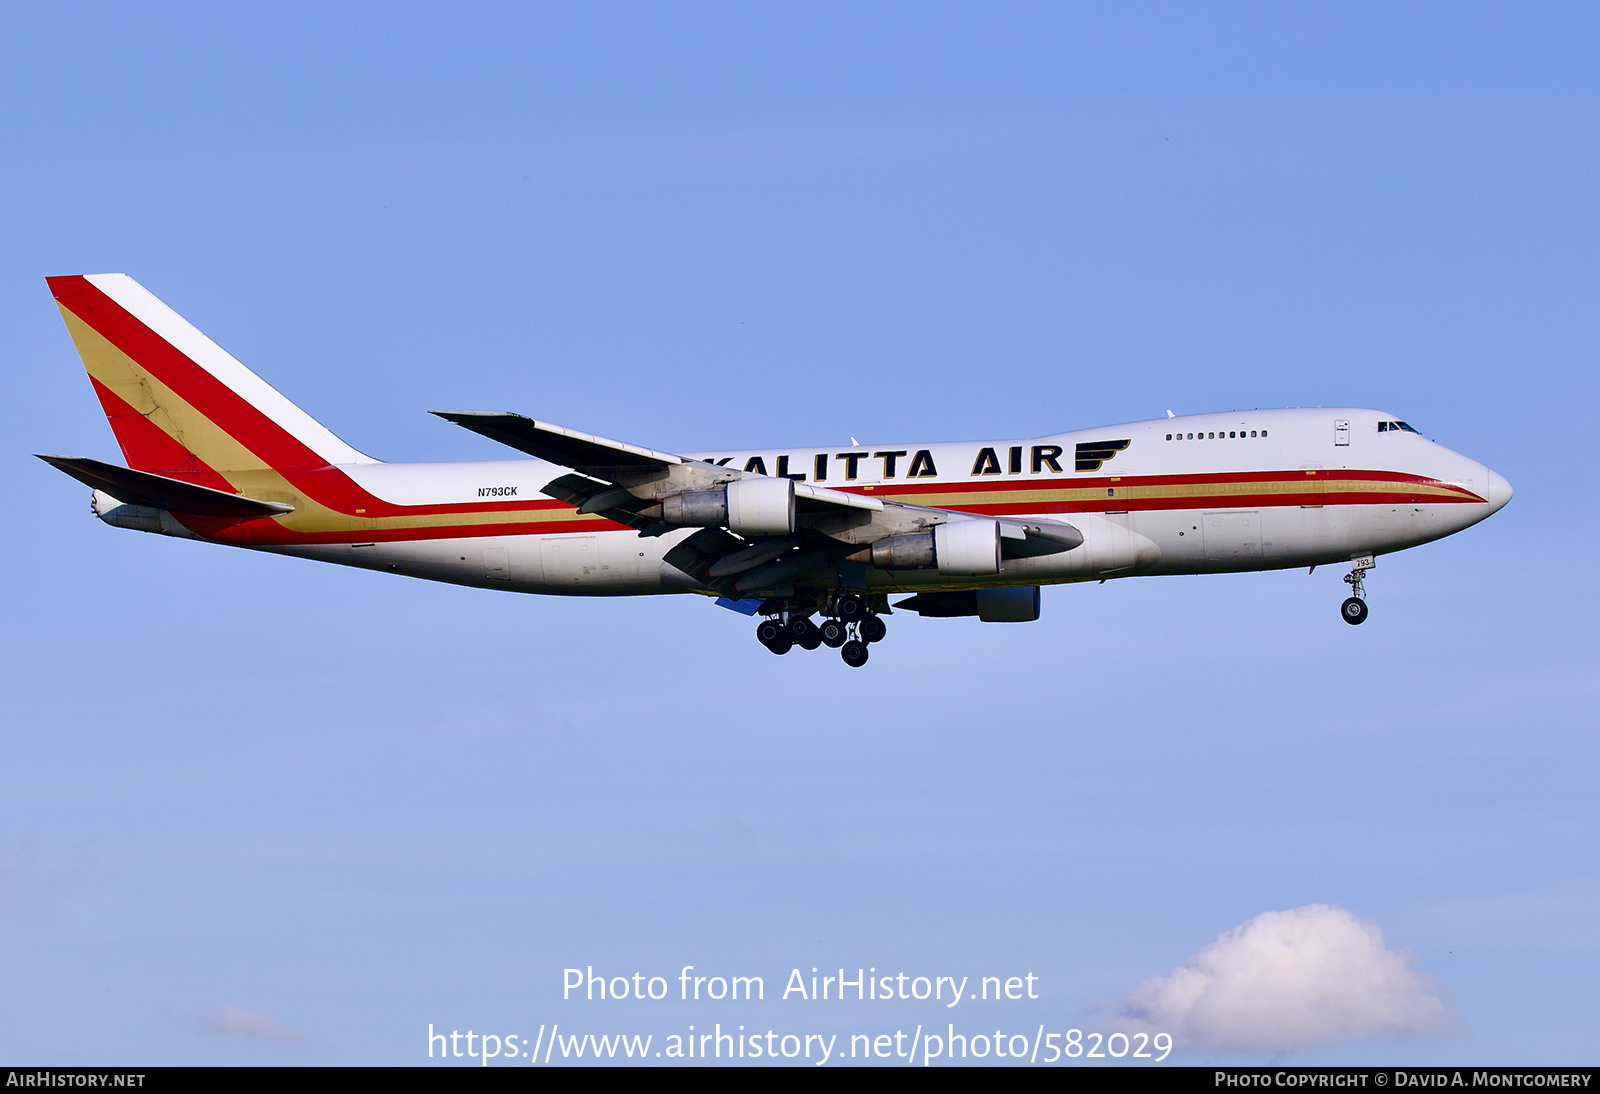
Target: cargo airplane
(813, 540)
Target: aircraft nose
(1499, 491)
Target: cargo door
(497, 563)
(1233, 536)
(570, 560)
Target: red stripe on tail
(148, 447)
(275, 446)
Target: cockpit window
(1395, 427)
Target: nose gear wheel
(1354, 609)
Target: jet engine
(959, 547)
(751, 507)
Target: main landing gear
(1354, 609)
(850, 627)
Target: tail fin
(179, 404)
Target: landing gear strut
(1354, 610)
(852, 625)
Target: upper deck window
(1252, 433)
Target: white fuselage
(1288, 488)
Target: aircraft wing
(159, 492)
(820, 497)
(606, 468)
(556, 444)
(627, 484)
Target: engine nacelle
(960, 547)
(967, 547)
(761, 506)
(1015, 605)
(1009, 605)
(752, 507)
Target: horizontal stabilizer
(159, 492)
(566, 447)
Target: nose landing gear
(1354, 610)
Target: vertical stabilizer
(180, 404)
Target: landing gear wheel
(769, 631)
(782, 644)
(833, 634)
(873, 629)
(850, 607)
(1353, 610)
(854, 653)
(810, 636)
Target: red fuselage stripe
(312, 476)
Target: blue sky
(360, 804)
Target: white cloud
(1289, 980)
(238, 1022)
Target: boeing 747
(813, 540)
